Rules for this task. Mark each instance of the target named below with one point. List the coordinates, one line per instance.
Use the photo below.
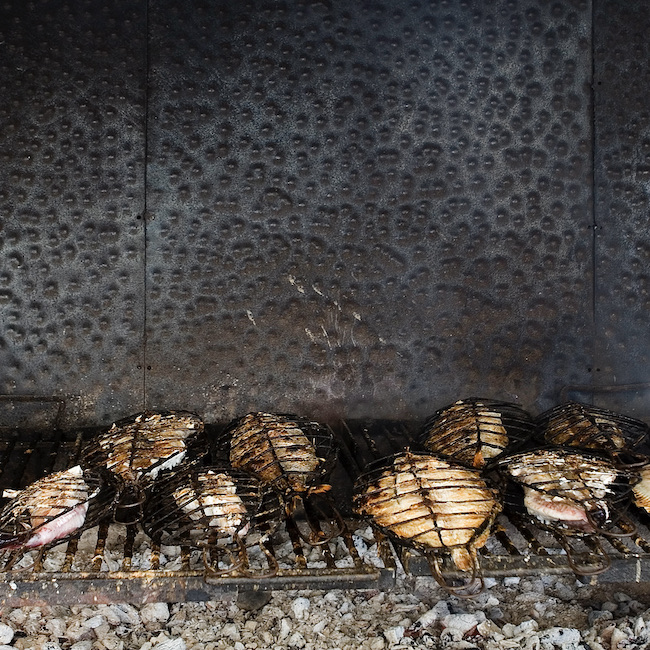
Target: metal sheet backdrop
(622, 190)
(368, 209)
(72, 79)
(364, 209)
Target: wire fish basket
(572, 493)
(222, 512)
(138, 448)
(589, 427)
(54, 508)
(294, 456)
(476, 431)
(433, 505)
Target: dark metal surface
(370, 208)
(71, 193)
(622, 192)
(360, 210)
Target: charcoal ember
(154, 615)
(6, 634)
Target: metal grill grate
(117, 563)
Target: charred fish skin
(429, 503)
(289, 452)
(476, 431)
(137, 448)
(566, 488)
(53, 508)
(589, 427)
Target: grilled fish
(641, 490)
(429, 503)
(474, 431)
(580, 425)
(49, 509)
(282, 450)
(213, 498)
(565, 488)
(142, 446)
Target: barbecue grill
(118, 563)
(354, 212)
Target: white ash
(542, 613)
(6, 634)
(416, 614)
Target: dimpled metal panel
(71, 188)
(622, 180)
(368, 208)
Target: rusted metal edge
(37, 399)
(633, 568)
(172, 586)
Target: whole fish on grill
(53, 508)
(476, 431)
(565, 488)
(217, 509)
(200, 502)
(212, 498)
(291, 453)
(429, 503)
(641, 489)
(589, 427)
(138, 448)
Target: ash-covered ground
(533, 613)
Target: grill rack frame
(517, 548)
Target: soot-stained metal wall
(369, 208)
(360, 209)
(72, 81)
(622, 191)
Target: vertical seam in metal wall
(145, 214)
(594, 190)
